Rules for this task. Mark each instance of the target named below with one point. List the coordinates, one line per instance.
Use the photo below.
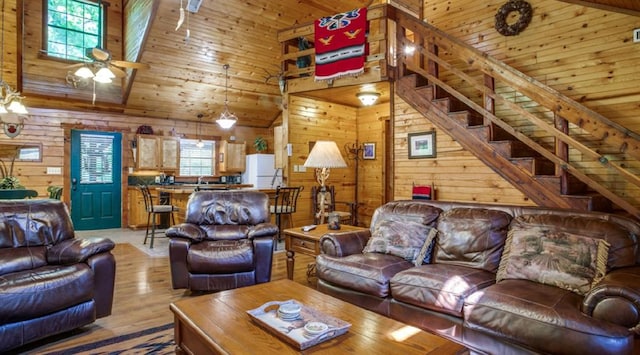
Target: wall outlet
(51, 170)
(636, 35)
(302, 168)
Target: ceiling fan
(103, 68)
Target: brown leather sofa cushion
(19, 259)
(227, 208)
(58, 287)
(472, 237)
(548, 317)
(367, 273)
(221, 257)
(439, 287)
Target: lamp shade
(325, 154)
(84, 72)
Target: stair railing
(429, 41)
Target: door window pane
(96, 159)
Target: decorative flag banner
(340, 42)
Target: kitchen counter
(189, 188)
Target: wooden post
(562, 152)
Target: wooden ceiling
(186, 76)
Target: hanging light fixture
(10, 100)
(227, 119)
(200, 143)
(368, 98)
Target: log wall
(312, 120)
(456, 174)
(51, 127)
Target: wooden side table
(308, 243)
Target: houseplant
(260, 144)
(7, 180)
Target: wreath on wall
(524, 11)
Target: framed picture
(422, 145)
(369, 151)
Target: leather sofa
(225, 242)
(50, 281)
(498, 279)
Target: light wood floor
(142, 296)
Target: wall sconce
(368, 98)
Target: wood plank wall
(585, 53)
(311, 120)
(456, 174)
(48, 127)
(372, 128)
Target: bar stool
(154, 210)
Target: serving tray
(292, 332)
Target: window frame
(102, 38)
(215, 148)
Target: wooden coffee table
(218, 324)
(308, 243)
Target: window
(194, 160)
(72, 27)
(96, 152)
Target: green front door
(96, 176)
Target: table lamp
(324, 156)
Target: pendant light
(227, 119)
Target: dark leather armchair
(50, 281)
(226, 241)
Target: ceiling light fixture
(104, 75)
(84, 72)
(227, 119)
(10, 100)
(368, 98)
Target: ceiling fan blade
(133, 65)
(78, 65)
(117, 71)
(99, 54)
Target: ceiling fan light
(105, 73)
(84, 72)
(102, 80)
(368, 98)
(3, 109)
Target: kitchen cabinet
(137, 210)
(232, 157)
(158, 153)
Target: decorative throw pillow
(402, 239)
(565, 260)
(424, 256)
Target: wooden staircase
(561, 165)
(510, 158)
(557, 167)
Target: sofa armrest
(78, 250)
(263, 230)
(187, 231)
(344, 244)
(616, 299)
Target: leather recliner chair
(50, 281)
(225, 242)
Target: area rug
(156, 340)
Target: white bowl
(289, 309)
(315, 328)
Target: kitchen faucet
(200, 179)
